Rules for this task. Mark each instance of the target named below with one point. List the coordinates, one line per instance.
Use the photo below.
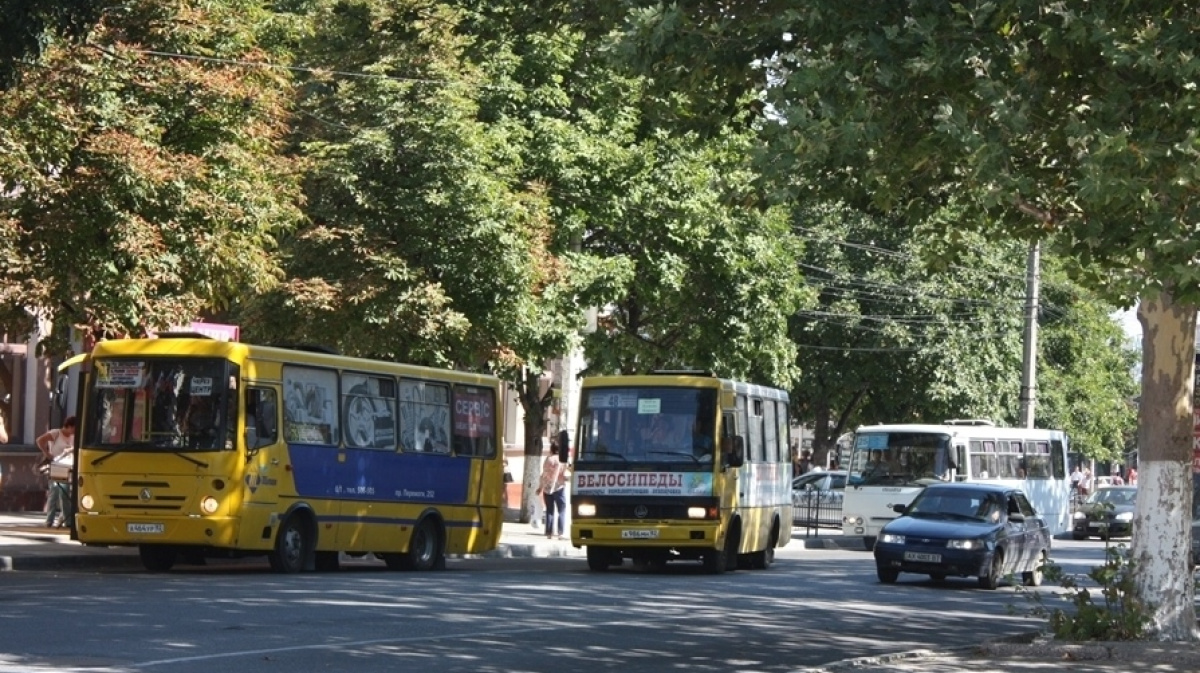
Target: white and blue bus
(890, 464)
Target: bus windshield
(162, 403)
(648, 424)
(898, 458)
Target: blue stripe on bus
(374, 475)
(334, 518)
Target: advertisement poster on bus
(644, 483)
(473, 414)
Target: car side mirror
(1016, 517)
(733, 449)
(899, 509)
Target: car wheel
(995, 572)
(887, 575)
(1033, 578)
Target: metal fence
(817, 510)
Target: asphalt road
(527, 614)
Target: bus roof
(238, 351)
(966, 431)
(685, 380)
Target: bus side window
(261, 426)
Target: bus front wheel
(157, 558)
(291, 547)
(598, 559)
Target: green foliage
(28, 27)
(1110, 612)
(142, 188)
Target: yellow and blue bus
(192, 447)
(676, 466)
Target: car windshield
(1113, 496)
(957, 504)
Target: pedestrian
(1132, 476)
(3, 440)
(1076, 480)
(57, 444)
(553, 488)
(805, 463)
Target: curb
(128, 557)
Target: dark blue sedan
(988, 531)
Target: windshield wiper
(105, 457)
(197, 463)
(675, 453)
(604, 456)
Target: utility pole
(1029, 359)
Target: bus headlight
(87, 502)
(585, 509)
(209, 504)
(852, 520)
(697, 512)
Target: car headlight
(891, 538)
(1124, 516)
(965, 544)
(1079, 516)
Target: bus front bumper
(642, 534)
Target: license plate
(1100, 526)
(639, 534)
(922, 558)
(144, 528)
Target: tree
(1069, 119)
(142, 187)
(27, 27)
(909, 327)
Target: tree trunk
(1162, 529)
(534, 402)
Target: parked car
(989, 531)
(1107, 512)
(817, 498)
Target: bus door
(264, 470)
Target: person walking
(56, 444)
(553, 488)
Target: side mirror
(899, 509)
(1016, 517)
(734, 451)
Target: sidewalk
(26, 545)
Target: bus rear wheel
(425, 550)
(157, 558)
